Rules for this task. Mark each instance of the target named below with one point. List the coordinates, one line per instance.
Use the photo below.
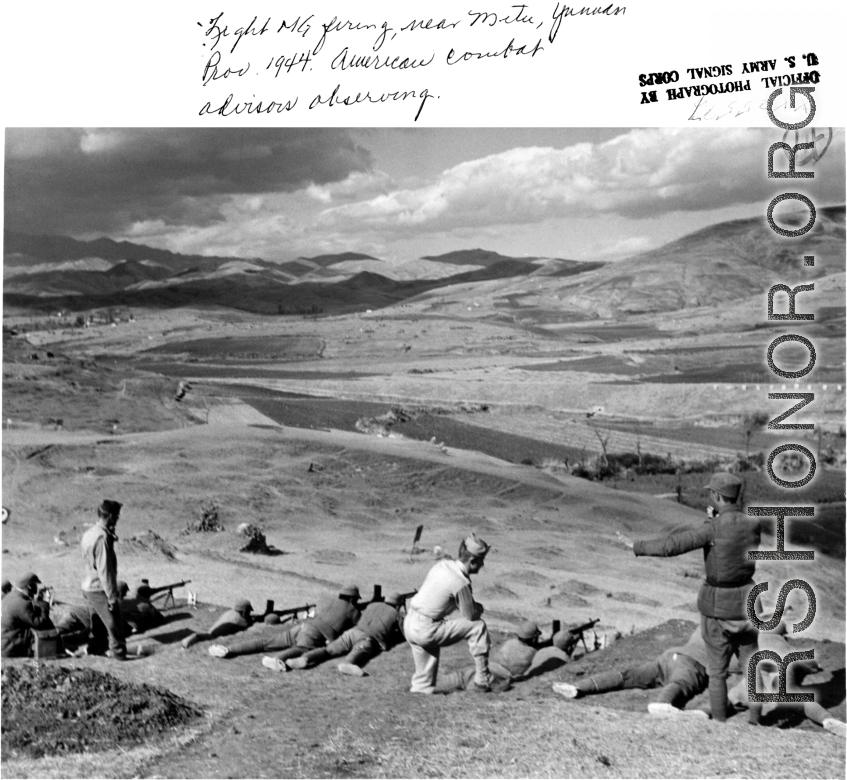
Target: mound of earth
(150, 541)
(51, 710)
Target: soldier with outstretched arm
(725, 538)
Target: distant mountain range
(718, 264)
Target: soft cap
(350, 590)
(242, 605)
(725, 484)
(476, 546)
(110, 508)
(393, 598)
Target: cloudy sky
(396, 194)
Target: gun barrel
(293, 610)
(163, 588)
(584, 626)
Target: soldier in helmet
(517, 657)
(378, 630)
(139, 613)
(444, 612)
(239, 618)
(679, 671)
(332, 620)
(725, 538)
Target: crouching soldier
(378, 630)
(679, 671)
(234, 620)
(331, 621)
(444, 612)
(24, 611)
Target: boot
(310, 659)
(671, 694)
(482, 677)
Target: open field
(268, 431)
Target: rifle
(580, 630)
(290, 611)
(168, 590)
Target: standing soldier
(432, 622)
(100, 585)
(725, 538)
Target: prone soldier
(679, 671)
(377, 631)
(239, 618)
(331, 621)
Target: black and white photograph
(423, 452)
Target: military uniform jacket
(379, 621)
(515, 655)
(333, 620)
(231, 622)
(725, 541)
(695, 648)
(446, 589)
(101, 563)
(20, 613)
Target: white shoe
(269, 662)
(351, 669)
(219, 651)
(566, 689)
(835, 726)
(661, 709)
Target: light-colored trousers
(427, 636)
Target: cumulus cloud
(86, 180)
(641, 174)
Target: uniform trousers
(427, 636)
(304, 635)
(725, 638)
(680, 676)
(105, 623)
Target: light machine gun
(168, 590)
(290, 613)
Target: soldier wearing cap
(332, 620)
(725, 538)
(679, 671)
(239, 618)
(444, 612)
(23, 612)
(378, 630)
(100, 584)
